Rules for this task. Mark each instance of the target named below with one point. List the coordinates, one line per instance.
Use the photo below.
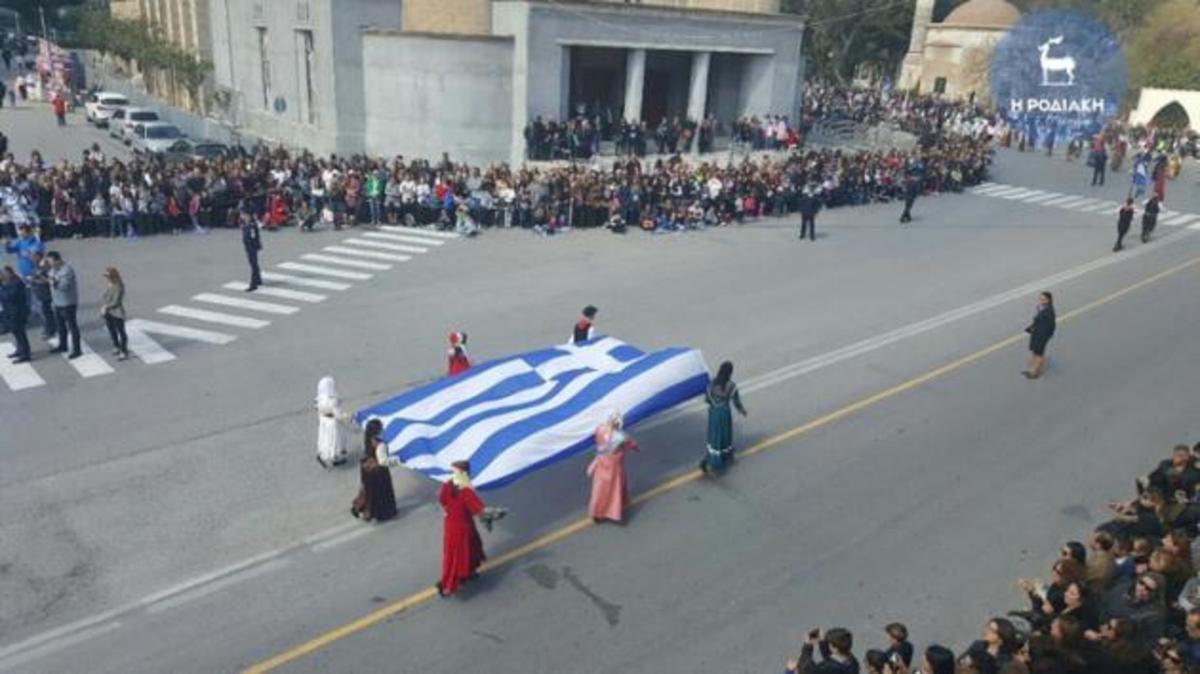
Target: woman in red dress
(462, 549)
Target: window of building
(308, 66)
(265, 59)
(939, 85)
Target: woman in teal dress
(721, 396)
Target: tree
(1165, 51)
(841, 34)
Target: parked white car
(101, 105)
(131, 118)
(154, 137)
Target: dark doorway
(1173, 116)
(665, 92)
(597, 85)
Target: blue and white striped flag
(514, 415)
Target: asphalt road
(171, 517)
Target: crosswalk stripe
(143, 346)
(1021, 194)
(90, 364)
(249, 305)
(993, 189)
(281, 293)
(1043, 197)
(367, 253)
(1007, 190)
(301, 281)
(1086, 204)
(1102, 206)
(18, 376)
(402, 238)
(1031, 194)
(420, 232)
(1181, 219)
(359, 264)
(182, 331)
(1195, 226)
(1060, 200)
(323, 271)
(214, 316)
(1072, 202)
(387, 245)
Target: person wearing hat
(462, 549)
(585, 325)
(457, 354)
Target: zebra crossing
(1074, 202)
(208, 317)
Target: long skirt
(377, 499)
(720, 437)
(610, 486)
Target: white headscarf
(327, 389)
(609, 435)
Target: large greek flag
(514, 415)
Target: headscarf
(609, 435)
(326, 389)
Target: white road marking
(419, 231)
(182, 331)
(145, 348)
(344, 538)
(1022, 194)
(375, 255)
(331, 532)
(18, 376)
(300, 281)
(1078, 205)
(249, 305)
(1102, 206)
(281, 293)
(386, 245)
(1044, 197)
(53, 645)
(217, 585)
(1007, 190)
(214, 317)
(993, 190)
(358, 264)
(323, 271)
(90, 364)
(1061, 200)
(1181, 219)
(403, 238)
(1194, 227)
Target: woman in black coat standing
(1040, 331)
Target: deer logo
(1056, 64)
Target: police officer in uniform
(914, 179)
(252, 242)
(810, 203)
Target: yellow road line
(678, 481)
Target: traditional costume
(462, 549)
(610, 485)
(457, 353)
(721, 396)
(376, 498)
(331, 437)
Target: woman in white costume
(331, 436)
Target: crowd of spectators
(1125, 602)
(101, 196)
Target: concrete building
(182, 23)
(952, 57)
(1160, 107)
(422, 77)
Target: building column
(635, 79)
(698, 93)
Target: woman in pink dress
(610, 486)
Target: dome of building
(992, 13)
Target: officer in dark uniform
(810, 203)
(1124, 221)
(914, 178)
(252, 242)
